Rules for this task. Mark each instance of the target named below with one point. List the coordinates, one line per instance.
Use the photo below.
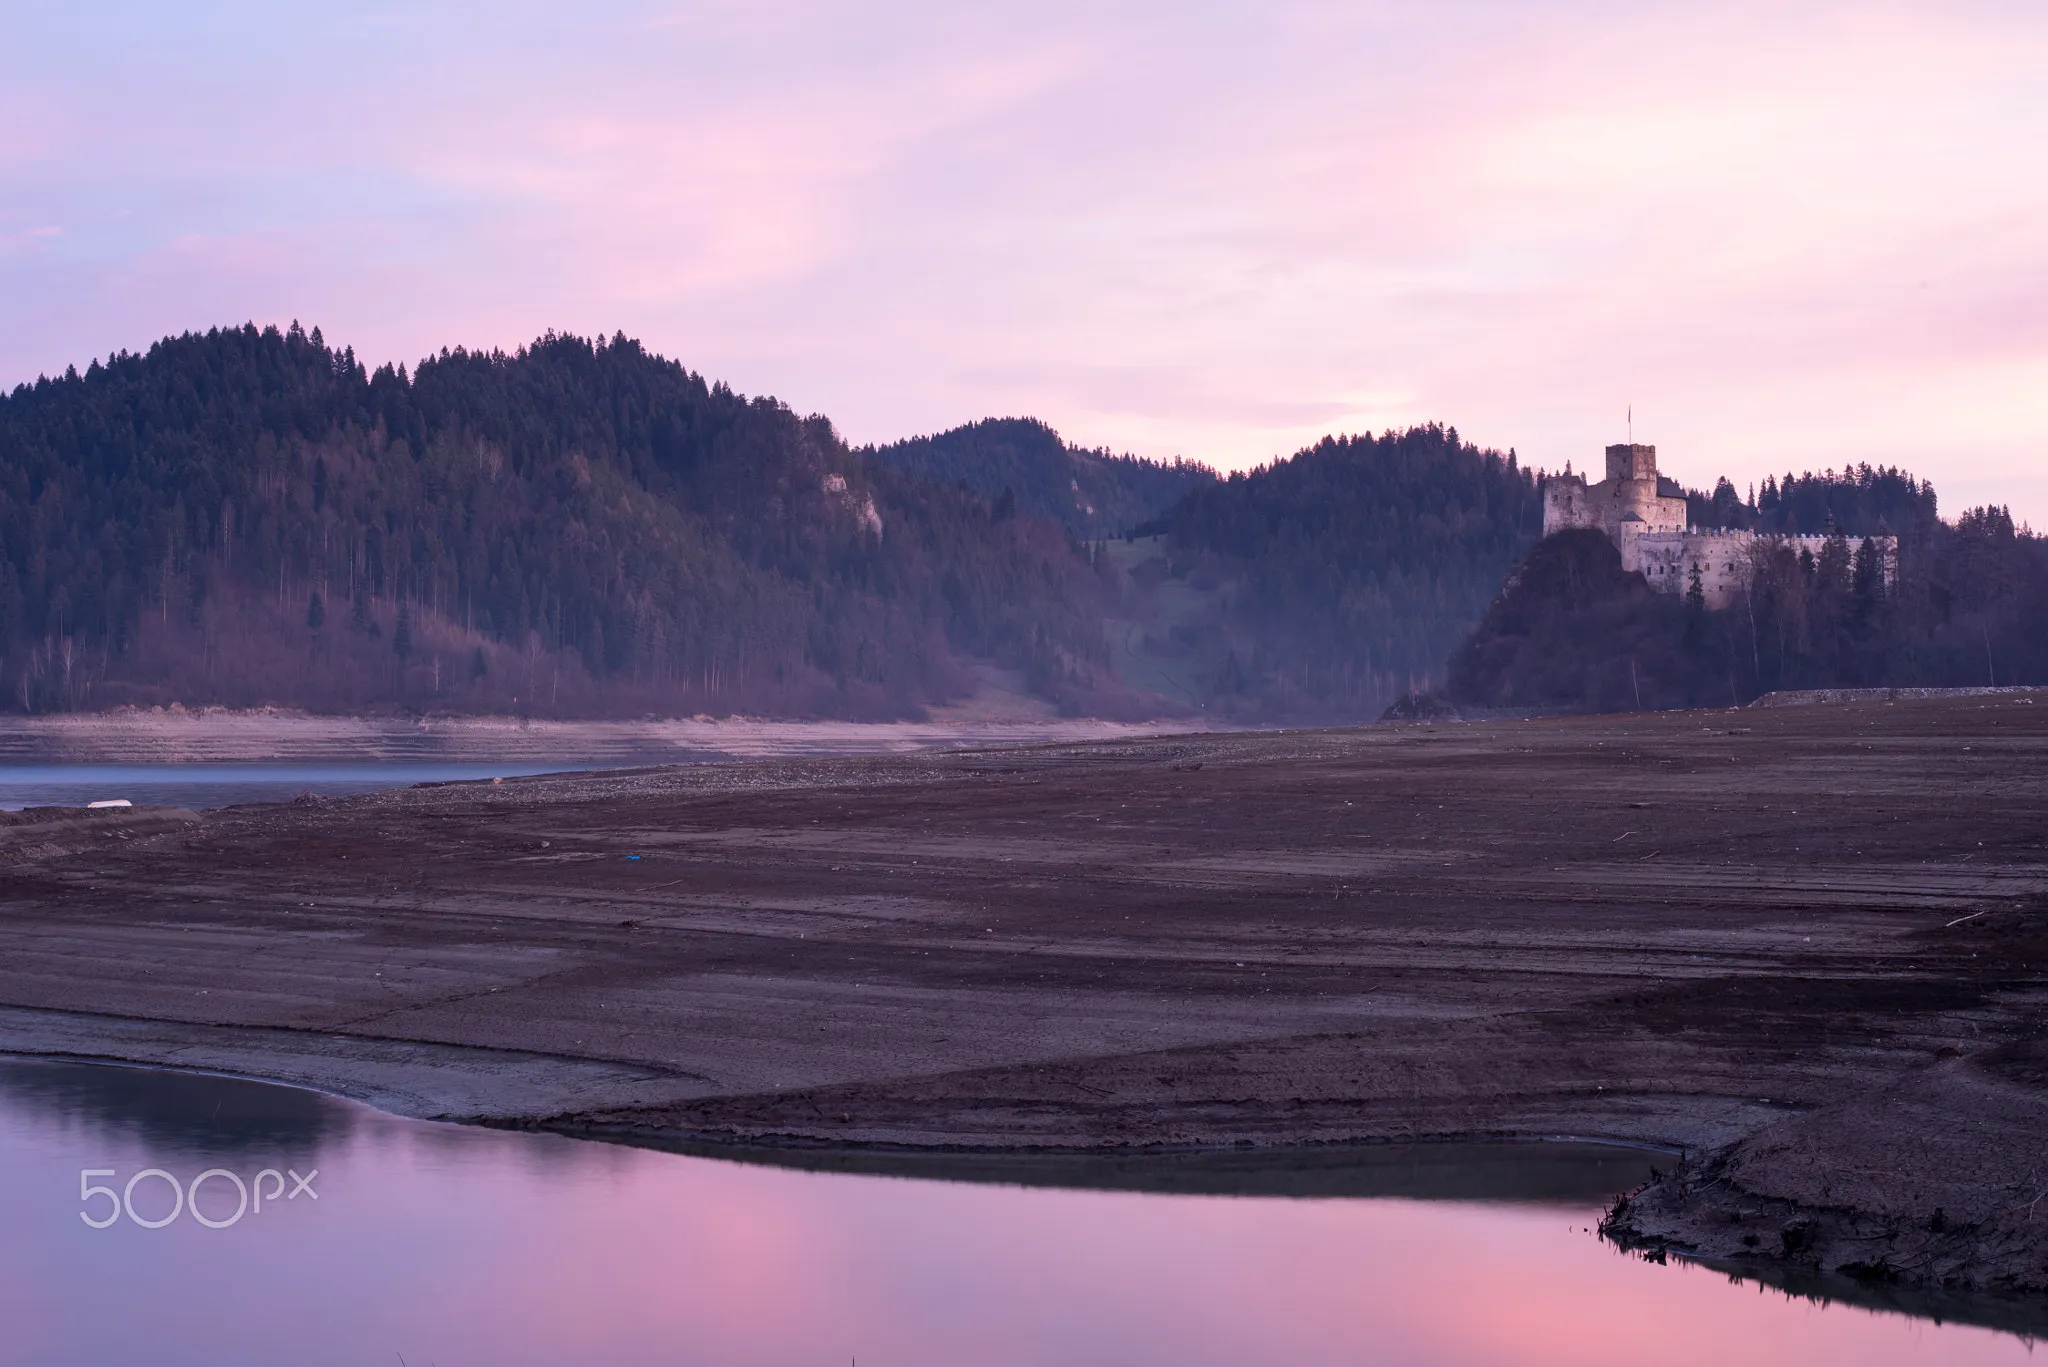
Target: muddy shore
(223, 735)
(1805, 947)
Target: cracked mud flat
(1807, 947)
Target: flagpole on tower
(1631, 424)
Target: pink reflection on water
(452, 1246)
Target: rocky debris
(1421, 707)
(1808, 697)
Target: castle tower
(1626, 505)
(1632, 463)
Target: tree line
(1862, 500)
(252, 516)
(582, 527)
(1024, 466)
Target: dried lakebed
(1806, 947)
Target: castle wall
(1666, 560)
(1725, 558)
(1564, 505)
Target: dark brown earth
(1808, 947)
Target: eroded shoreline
(1688, 930)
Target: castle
(1652, 530)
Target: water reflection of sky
(454, 1246)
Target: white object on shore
(109, 802)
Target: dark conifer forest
(1862, 501)
(582, 528)
(251, 516)
(1022, 464)
(1355, 567)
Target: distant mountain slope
(1327, 584)
(583, 528)
(250, 516)
(1092, 494)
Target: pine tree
(316, 613)
(401, 634)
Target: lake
(201, 786)
(381, 1240)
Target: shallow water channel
(130, 1232)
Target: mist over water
(454, 1245)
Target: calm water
(443, 1245)
(199, 786)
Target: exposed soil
(1808, 947)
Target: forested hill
(1956, 605)
(1339, 577)
(250, 516)
(1022, 463)
(583, 528)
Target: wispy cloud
(1790, 238)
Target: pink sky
(1791, 237)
